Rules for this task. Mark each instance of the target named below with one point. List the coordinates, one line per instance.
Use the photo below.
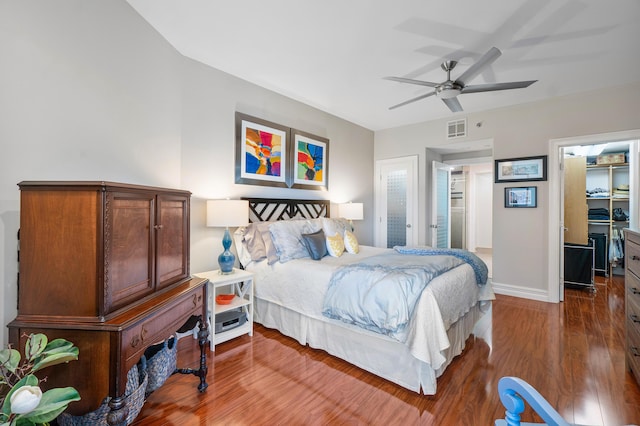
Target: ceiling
(333, 54)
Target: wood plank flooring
(572, 352)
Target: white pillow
(335, 245)
(331, 226)
(244, 257)
(351, 242)
(287, 238)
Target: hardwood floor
(570, 352)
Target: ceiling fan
(450, 89)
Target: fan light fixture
(450, 89)
(447, 92)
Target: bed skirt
(372, 352)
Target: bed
(292, 293)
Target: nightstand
(240, 284)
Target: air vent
(457, 128)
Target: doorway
(556, 198)
(596, 210)
(470, 207)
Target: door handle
(408, 225)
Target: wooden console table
(108, 350)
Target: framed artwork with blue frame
(309, 161)
(261, 152)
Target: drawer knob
(135, 341)
(634, 318)
(143, 333)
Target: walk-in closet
(596, 209)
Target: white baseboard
(522, 292)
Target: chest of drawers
(632, 301)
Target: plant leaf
(58, 345)
(47, 360)
(53, 402)
(35, 345)
(10, 359)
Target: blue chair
(512, 391)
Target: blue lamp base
(226, 260)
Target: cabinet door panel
(172, 240)
(58, 242)
(130, 265)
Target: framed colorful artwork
(261, 151)
(309, 161)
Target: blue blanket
(479, 267)
(381, 292)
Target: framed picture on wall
(525, 196)
(309, 161)
(521, 169)
(261, 151)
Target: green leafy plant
(22, 402)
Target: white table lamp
(351, 211)
(226, 213)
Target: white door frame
(380, 204)
(556, 193)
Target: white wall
(89, 91)
(520, 236)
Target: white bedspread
(300, 285)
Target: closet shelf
(606, 179)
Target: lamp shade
(351, 211)
(225, 213)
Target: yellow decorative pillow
(335, 245)
(351, 242)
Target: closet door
(396, 202)
(576, 228)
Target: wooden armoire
(106, 266)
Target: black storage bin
(578, 264)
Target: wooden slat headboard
(271, 209)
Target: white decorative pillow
(254, 243)
(244, 257)
(331, 226)
(287, 238)
(263, 229)
(351, 242)
(335, 245)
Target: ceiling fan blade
(490, 87)
(453, 104)
(475, 69)
(411, 81)
(413, 100)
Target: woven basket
(159, 361)
(134, 400)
